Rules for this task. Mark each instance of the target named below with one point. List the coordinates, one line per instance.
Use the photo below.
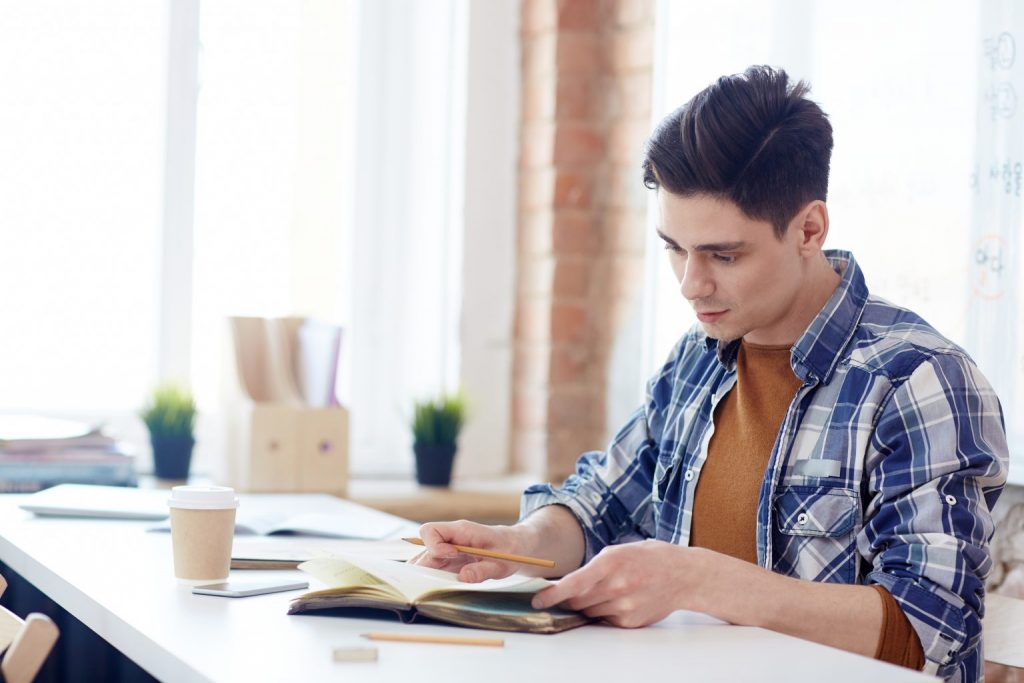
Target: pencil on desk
(444, 640)
(522, 559)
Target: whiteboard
(995, 314)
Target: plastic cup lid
(203, 497)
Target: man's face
(741, 280)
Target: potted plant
(170, 415)
(435, 429)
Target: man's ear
(811, 223)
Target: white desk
(118, 580)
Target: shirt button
(801, 519)
(951, 500)
(689, 475)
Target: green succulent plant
(438, 422)
(170, 411)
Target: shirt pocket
(815, 533)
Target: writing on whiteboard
(987, 276)
(1000, 50)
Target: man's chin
(722, 334)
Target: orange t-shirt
(747, 421)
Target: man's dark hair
(751, 138)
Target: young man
(811, 459)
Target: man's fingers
(434, 532)
(440, 539)
(573, 586)
(601, 610)
(425, 559)
(436, 537)
(482, 570)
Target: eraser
(355, 654)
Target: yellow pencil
(444, 640)
(522, 559)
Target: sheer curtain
(82, 124)
(329, 153)
(407, 229)
(328, 179)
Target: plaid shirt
(888, 462)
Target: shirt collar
(818, 350)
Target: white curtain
(405, 238)
(82, 124)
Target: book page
(302, 548)
(338, 574)
(364, 524)
(247, 523)
(415, 582)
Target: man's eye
(674, 248)
(724, 258)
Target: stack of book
(37, 452)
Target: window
(169, 164)
(82, 124)
(273, 179)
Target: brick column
(586, 79)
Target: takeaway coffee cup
(202, 526)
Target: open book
(368, 524)
(276, 552)
(365, 524)
(410, 591)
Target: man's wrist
(697, 579)
(723, 586)
(551, 532)
(525, 536)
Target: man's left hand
(631, 585)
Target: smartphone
(243, 589)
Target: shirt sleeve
(611, 491)
(936, 465)
(897, 642)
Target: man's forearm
(845, 616)
(552, 533)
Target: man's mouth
(710, 316)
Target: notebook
(356, 583)
(113, 502)
(363, 524)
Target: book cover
(69, 472)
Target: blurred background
(456, 184)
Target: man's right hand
(551, 532)
(440, 539)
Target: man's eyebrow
(666, 237)
(721, 246)
(713, 246)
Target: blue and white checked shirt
(885, 469)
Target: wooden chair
(25, 643)
(1004, 638)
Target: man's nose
(696, 282)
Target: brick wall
(586, 79)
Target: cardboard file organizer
(287, 433)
